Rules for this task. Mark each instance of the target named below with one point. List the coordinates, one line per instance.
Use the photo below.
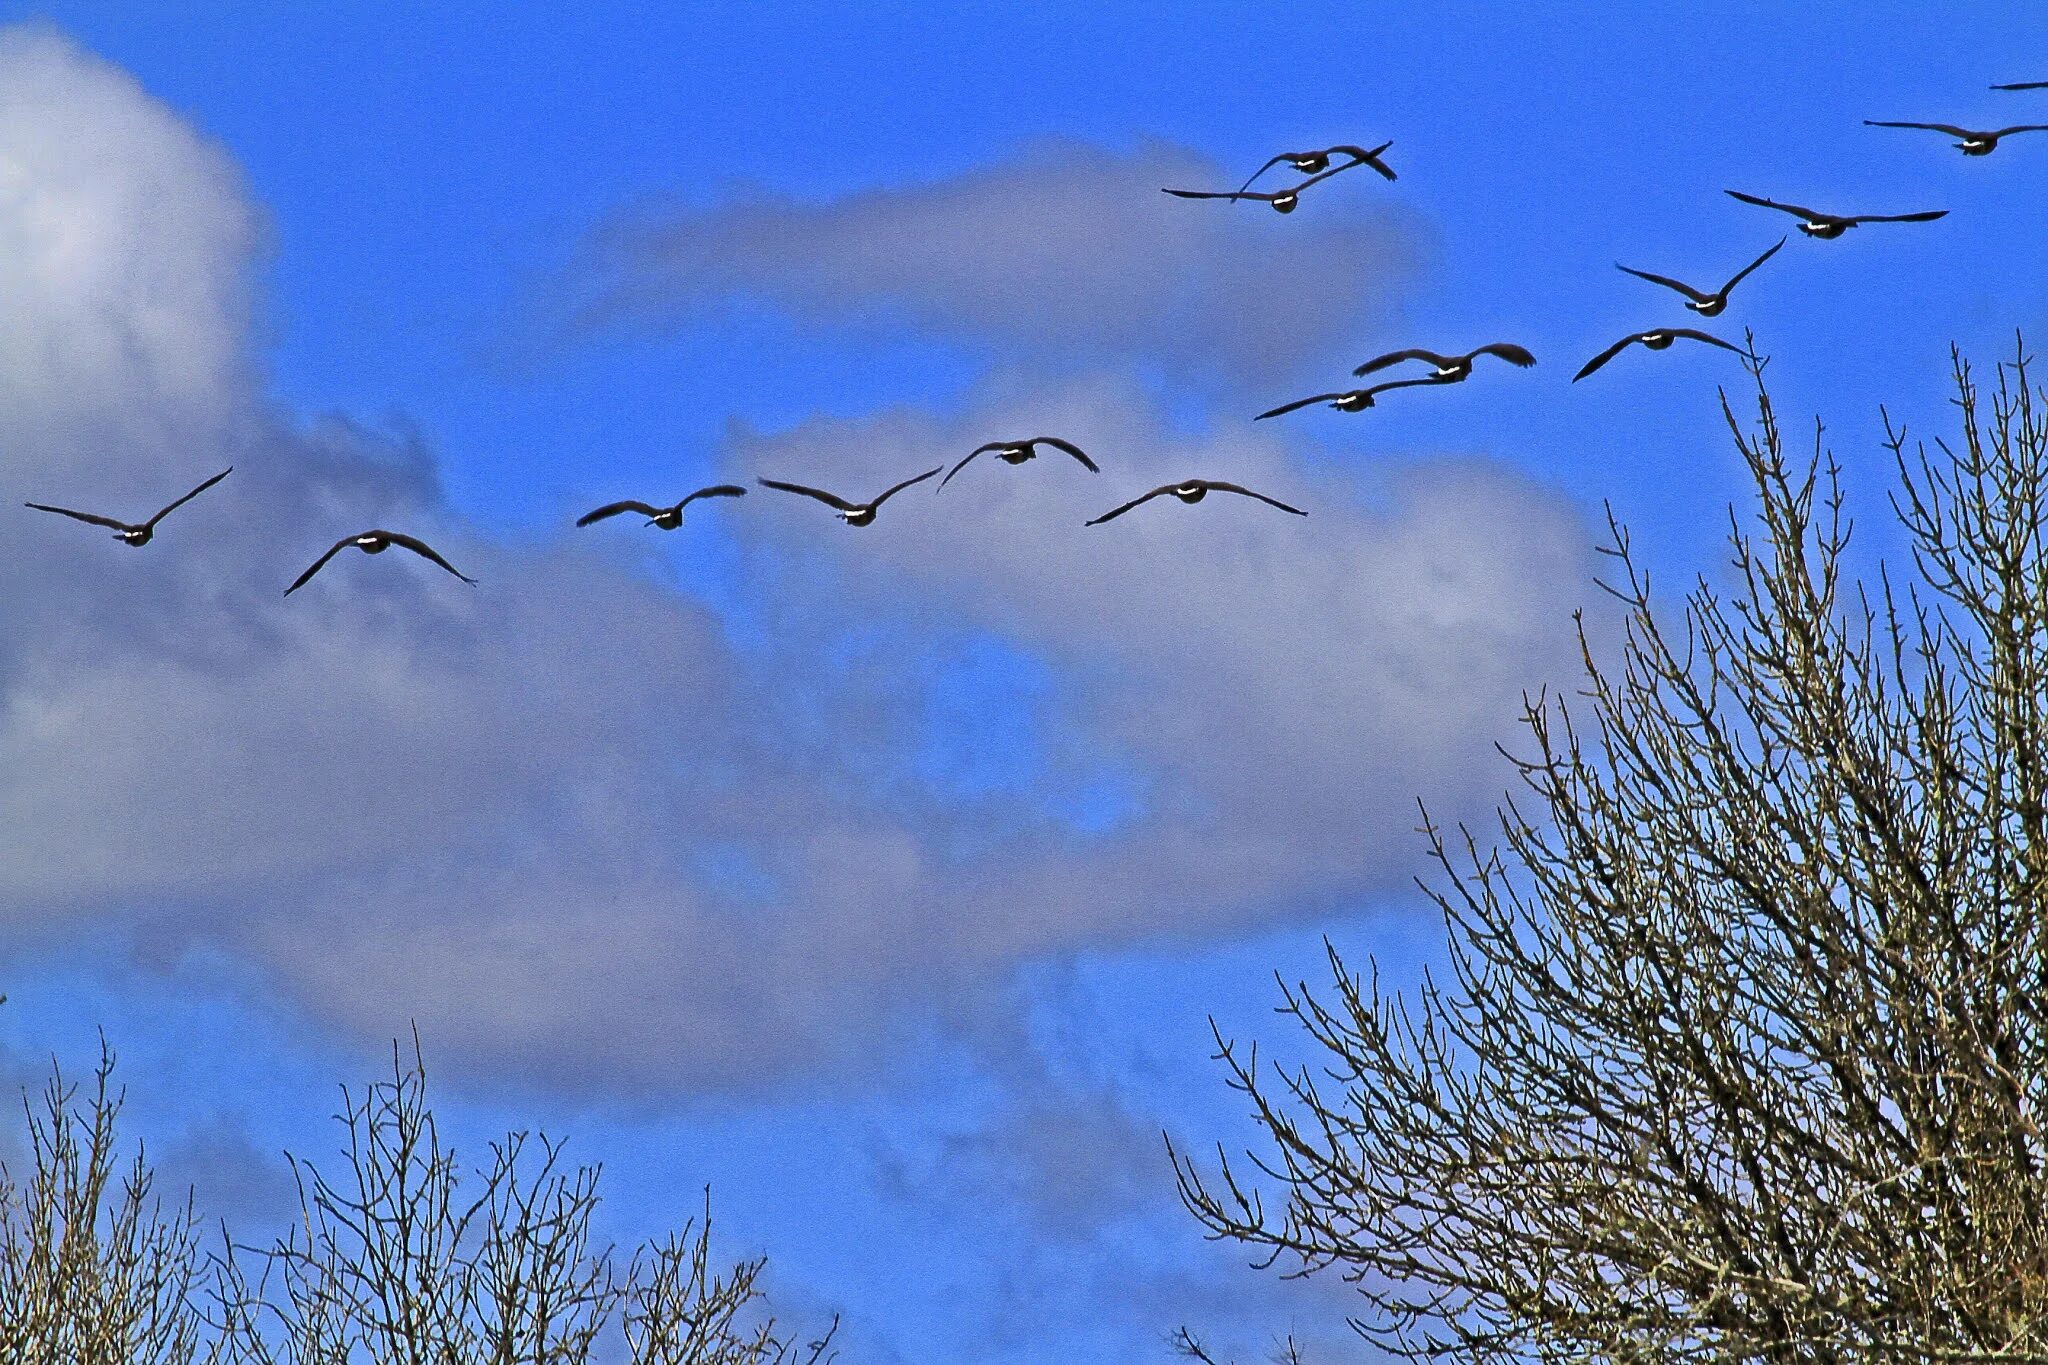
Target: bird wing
(1290, 407)
(1239, 488)
(1427, 381)
(92, 517)
(1380, 362)
(1210, 194)
(1948, 128)
(189, 496)
(2023, 85)
(831, 499)
(1069, 447)
(716, 490)
(978, 450)
(1742, 273)
(319, 564)
(1926, 216)
(425, 551)
(1367, 156)
(1284, 156)
(1708, 337)
(1808, 214)
(898, 488)
(1612, 351)
(1695, 295)
(1508, 351)
(2022, 128)
(1116, 512)
(612, 509)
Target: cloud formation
(560, 819)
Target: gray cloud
(558, 818)
(1068, 252)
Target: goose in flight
(1706, 305)
(1449, 368)
(667, 518)
(375, 543)
(1973, 142)
(136, 533)
(1312, 162)
(1283, 201)
(1351, 400)
(1658, 340)
(1192, 491)
(852, 513)
(1827, 225)
(1017, 452)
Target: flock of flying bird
(1316, 166)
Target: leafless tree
(1741, 1051)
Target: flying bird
(1706, 305)
(1193, 491)
(1351, 400)
(852, 513)
(1283, 201)
(1827, 225)
(1017, 452)
(137, 533)
(1449, 368)
(667, 518)
(2023, 85)
(1973, 143)
(1658, 340)
(1309, 163)
(376, 543)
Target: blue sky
(884, 880)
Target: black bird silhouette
(1310, 162)
(667, 518)
(2023, 85)
(1193, 491)
(1351, 400)
(1827, 225)
(1658, 340)
(1017, 452)
(1449, 368)
(136, 533)
(1973, 143)
(1706, 305)
(852, 513)
(1283, 201)
(376, 543)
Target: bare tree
(1741, 1054)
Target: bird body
(1450, 369)
(1828, 226)
(1973, 142)
(667, 518)
(852, 513)
(132, 533)
(1349, 400)
(1017, 452)
(1705, 304)
(1318, 160)
(375, 543)
(1192, 491)
(1657, 339)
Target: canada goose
(1351, 400)
(1827, 226)
(1309, 163)
(376, 543)
(667, 518)
(1973, 143)
(852, 513)
(1283, 201)
(1192, 491)
(1449, 368)
(139, 532)
(1706, 305)
(1017, 452)
(1658, 340)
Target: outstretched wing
(968, 459)
(1214, 487)
(1284, 156)
(189, 496)
(319, 564)
(898, 488)
(1707, 337)
(1069, 447)
(1508, 351)
(1695, 295)
(716, 490)
(1367, 156)
(1808, 214)
(2022, 128)
(1927, 216)
(1290, 407)
(2023, 85)
(92, 517)
(1743, 273)
(425, 551)
(1210, 194)
(830, 499)
(1380, 362)
(1115, 512)
(1948, 128)
(612, 509)
(1612, 351)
